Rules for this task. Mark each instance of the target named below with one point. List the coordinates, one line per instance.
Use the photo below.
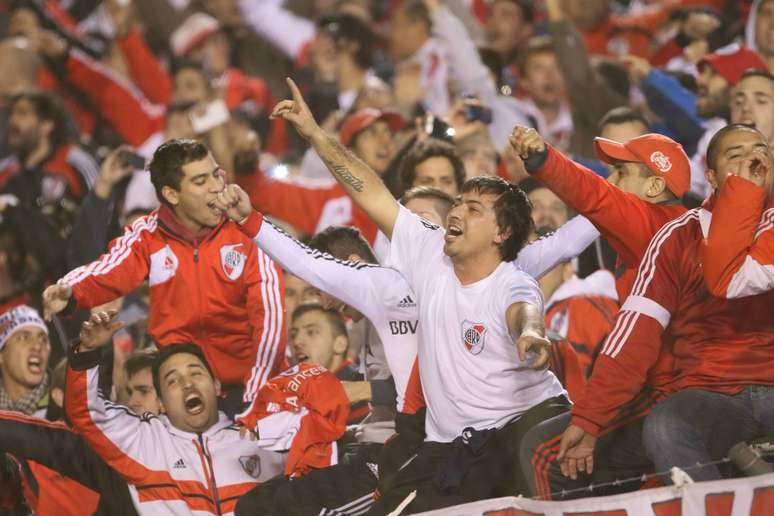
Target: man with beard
(695, 118)
(196, 259)
(46, 176)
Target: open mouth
(194, 404)
(214, 209)
(452, 232)
(302, 357)
(35, 365)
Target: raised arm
(562, 245)
(738, 255)
(356, 284)
(356, 178)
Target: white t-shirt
(471, 372)
(380, 294)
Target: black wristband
(536, 160)
(83, 360)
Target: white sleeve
(521, 288)
(564, 244)
(278, 26)
(415, 244)
(357, 284)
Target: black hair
(334, 317)
(529, 184)
(345, 26)
(713, 149)
(341, 242)
(526, 8)
(168, 351)
(754, 72)
(166, 166)
(424, 150)
(138, 361)
(48, 106)
(512, 210)
(622, 115)
(417, 11)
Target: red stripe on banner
(719, 504)
(763, 501)
(672, 507)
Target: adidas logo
(179, 464)
(406, 302)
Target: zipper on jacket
(206, 453)
(196, 255)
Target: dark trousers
(617, 456)
(696, 426)
(484, 465)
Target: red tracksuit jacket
(738, 256)
(220, 292)
(718, 345)
(625, 220)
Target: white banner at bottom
(752, 496)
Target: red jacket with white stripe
(625, 220)
(218, 291)
(719, 345)
(169, 471)
(738, 255)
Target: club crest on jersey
(251, 464)
(232, 261)
(473, 336)
(661, 161)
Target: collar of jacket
(169, 222)
(222, 423)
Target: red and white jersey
(232, 293)
(311, 401)
(738, 255)
(719, 345)
(582, 311)
(471, 373)
(169, 471)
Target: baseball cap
(192, 33)
(662, 155)
(731, 65)
(364, 118)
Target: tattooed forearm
(347, 177)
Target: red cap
(731, 65)
(664, 156)
(192, 32)
(363, 118)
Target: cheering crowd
(272, 257)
